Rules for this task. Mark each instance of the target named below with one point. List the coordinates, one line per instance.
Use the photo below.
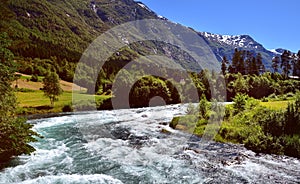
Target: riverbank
(128, 146)
(262, 127)
(34, 103)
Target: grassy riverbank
(34, 101)
(264, 127)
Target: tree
(296, 64)
(275, 63)
(285, 63)
(15, 133)
(253, 69)
(240, 85)
(235, 61)
(224, 65)
(260, 65)
(52, 87)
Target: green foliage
(68, 108)
(286, 63)
(292, 145)
(264, 130)
(239, 102)
(204, 107)
(15, 132)
(240, 85)
(34, 78)
(52, 87)
(149, 87)
(259, 128)
(174, 122)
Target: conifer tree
(285, 63)
(275, 63)
(296, 64)
(253, 67)
(224, 65)
(259, 63)
(235, 61)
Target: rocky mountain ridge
(45, 28)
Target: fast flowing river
(128, 146)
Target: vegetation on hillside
(52, 87)
(262, 126)
(50, 36)
(15, 133)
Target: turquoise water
(127, 146)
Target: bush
(34, 78)
(85, 105)
(272, 96)
(174, 122)
(204, 107)
(292, 145)
(68, 108)
(239, 102)
(290, 95)
(25, 90)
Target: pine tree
(235, 61)
(275, 63)
(259, 63)
(248, 62)
(285, 63)
(224, 65)
(296, 64)
(241, 66)
(253, 67)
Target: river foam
(128, 146)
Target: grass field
(277, 105)
(33, 102)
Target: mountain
(64, 28)
(224, 45)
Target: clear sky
(273, 23)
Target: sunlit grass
(36, 102)
(277, 105)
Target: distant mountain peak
(239, 41)
(277, 51)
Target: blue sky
(273, 23)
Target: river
(128, 146)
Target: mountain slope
(64, 28)
(224, 45)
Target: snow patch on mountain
(144, 6)
(275, 51)
(241, 41)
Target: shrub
(25, 90)
(204, 107)
(292, 145)
(239, 102)
(34, 78)
(68, 108)
(174, 122)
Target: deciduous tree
(52, 87)
(15, 133)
